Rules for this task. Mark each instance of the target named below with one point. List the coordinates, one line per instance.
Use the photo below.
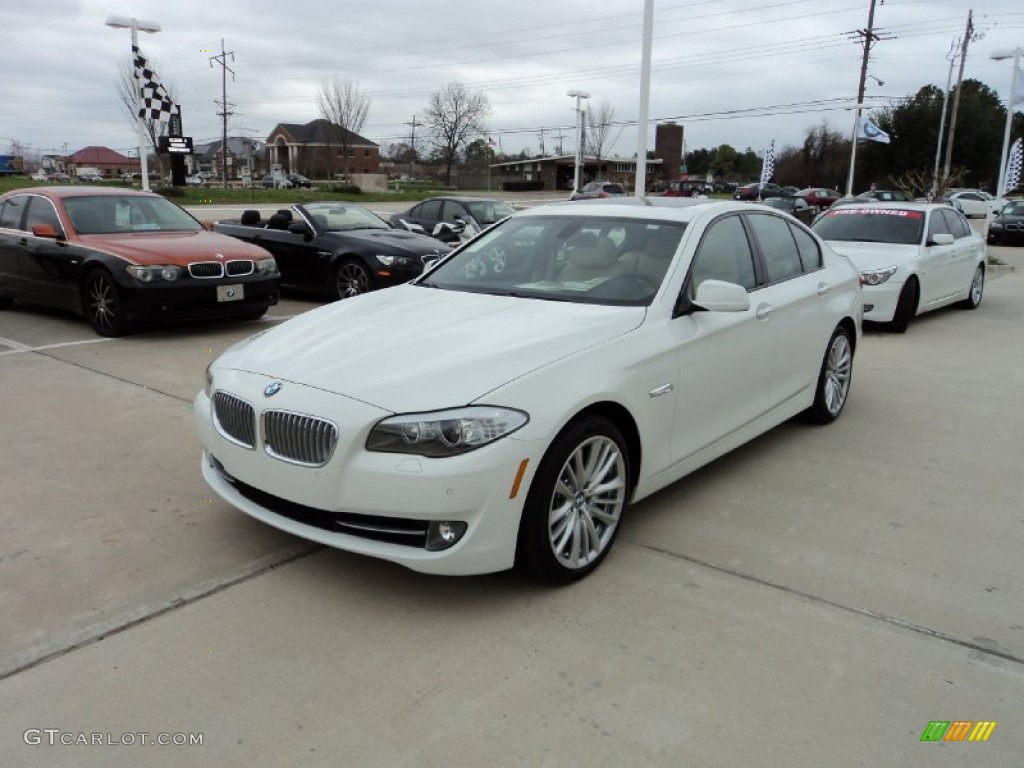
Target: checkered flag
(1013, 164)
(768, 167)
(154, 102)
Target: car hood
(408, 348)
(392, 241)
(180, 248)
(874, 255)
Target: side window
(10, 213)
(724, 254)
(430, 210)
(453, 211)
(807, 246)
(781, 258)
(937, 224)
(956, 223)
(41, 211)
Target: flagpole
(122, 22)
(1010, 101)
(869, 38)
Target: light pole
(579, 95)
(1015, 54)
(126, 22)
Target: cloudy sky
(740, 72)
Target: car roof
(63, 192)
(656, 208)
(899, 205)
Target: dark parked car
(337, 249)
(794, 206)
(755, 191)
(598, 190)
(298, 180)
(687, 188)
(1008, 227)
(271, 181)
(477, 212)
(120, 256)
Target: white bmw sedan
(912, 257)
(506, 407)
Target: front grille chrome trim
(297, 438)
(234, 419)
(206, 270)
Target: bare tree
(345, 107)
(453, 116)
(598, 122)
(127, 91)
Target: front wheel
(352, 278)
(834, 378)
(103, 306)
(906, 307)
(572, 512)
(976, 291)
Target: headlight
(394, 261)
(169, 273)
(208, 389)
(266, 267)
(876, 276)
(444, 433)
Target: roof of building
(319, 131)
(98, 156)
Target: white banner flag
(868, 130)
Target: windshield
(490, 211)
(1013, 209)
(586, 259)
(872, 225)
(342, 217)
(108, 214)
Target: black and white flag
(1014, 161)
(154, 103)
(768, 166)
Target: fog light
(444, 534)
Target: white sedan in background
(977, 204)
(912, 257)
(504, 408)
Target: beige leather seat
(652, 263)
(591, 257)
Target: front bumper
(376, 504)
(193, 298)
(880, 301)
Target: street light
(126, 22)
(579, 95)
(1015, 54)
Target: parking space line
(18, 347)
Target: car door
(49, 267)
(724, 358)
(970, 251)
(799, 291)
(12, 213)
(937, 273)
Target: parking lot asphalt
(817, 597)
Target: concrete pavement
(815, 598)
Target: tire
(834, 378)
(351, 278)
(906, 307)
(564, 509)
(977, 290)
(102, 303)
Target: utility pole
(412, 143)
(224, 113)
(934, 192)
(956, 97)
(542, 131)
(560, 136)
(868, 38)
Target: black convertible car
(338, 249)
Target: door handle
(764, 311)
(823, 289)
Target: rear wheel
(572, 512)
(104, 308)
(906, 307)
(833, 379)
(352, 278)
(976, 291)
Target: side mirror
(46, 230)
(300, 228)
(720, 296)
(942, 238)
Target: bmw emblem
(272, 389)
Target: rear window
(871, 225)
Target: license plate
(230, 292)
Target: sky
(739, 72)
